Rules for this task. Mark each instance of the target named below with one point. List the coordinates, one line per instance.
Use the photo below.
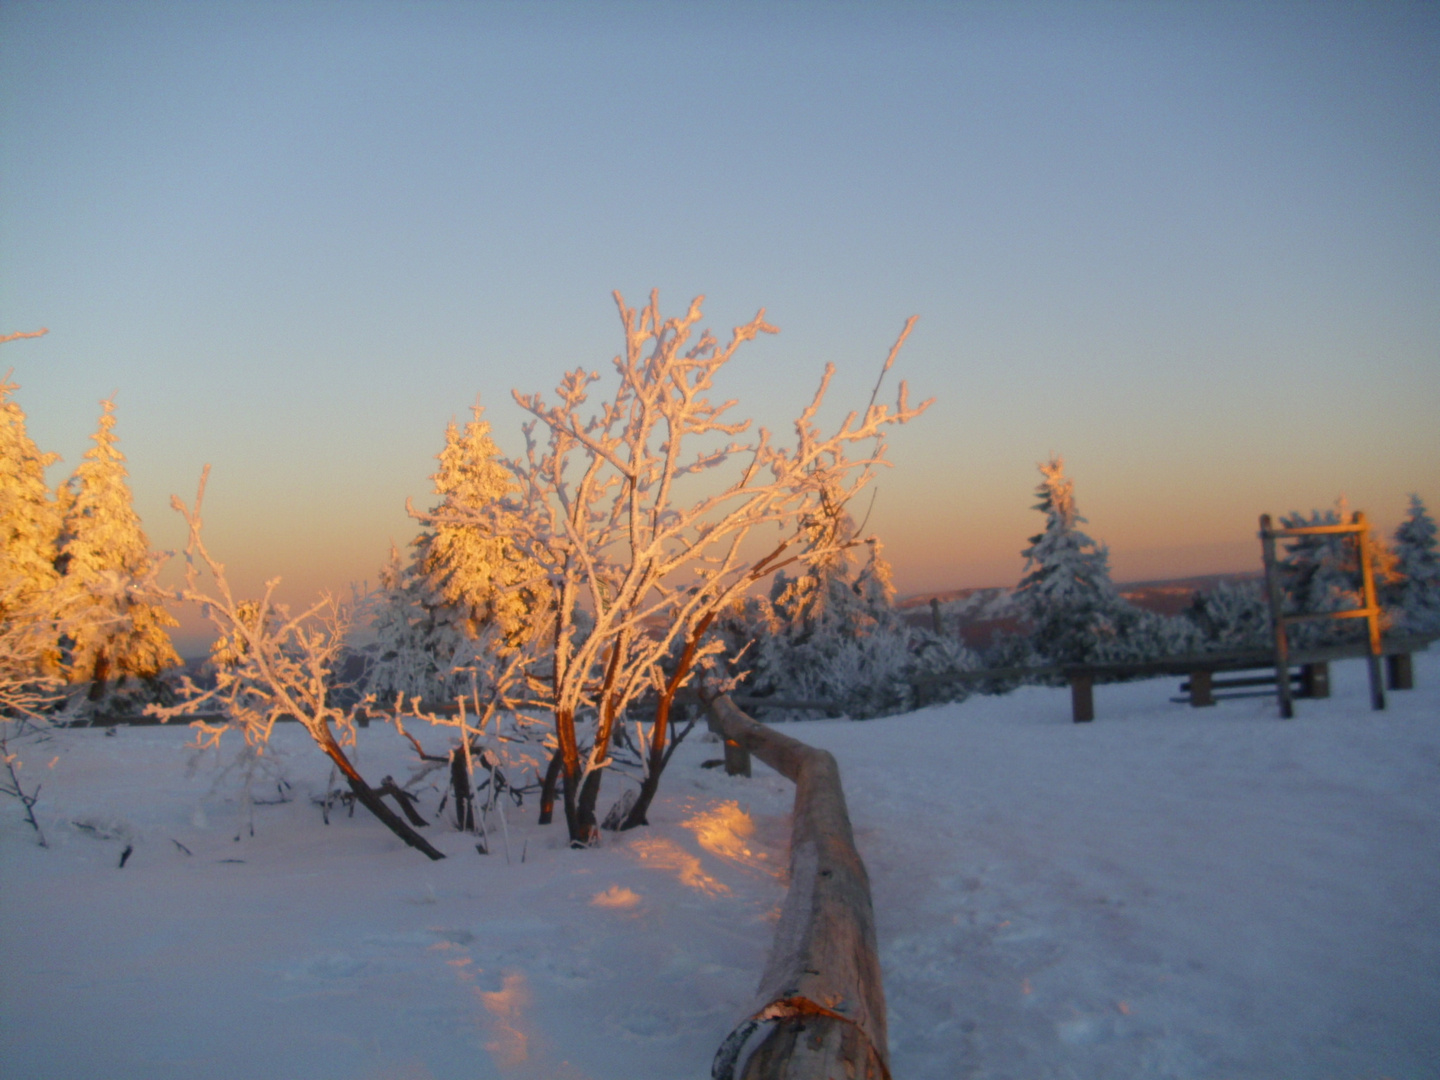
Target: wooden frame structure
(1369, 608)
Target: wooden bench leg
(1201, 691)
(1315, 680)
(1082, 698)
(1399, 672)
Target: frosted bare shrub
(624, 516)
(270, 665)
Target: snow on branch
(597, 513)
(271, 665)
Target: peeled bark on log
(822, 984)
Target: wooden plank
(1229, 684)
(1201, 687)
(1277, 617)
(1082, 697)
(1371, 608)
(1400, 672)
(1315, 679)
(1313, 530)
(821, 989)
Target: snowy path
(1165, 893)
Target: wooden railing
(1198, 668)
(821, 993)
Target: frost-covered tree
(1413, 594)
(416, 637)
(115, 631)
(29, 532)
(1065, 595)
(612, 515)
(829, 631)
(271, 664)
(1232, 615)
(460, 579)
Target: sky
(1192, 248)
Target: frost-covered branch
(270, 665)
(597, 511)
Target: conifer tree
(118, 622)
(29, 530)
(1414, 593)
(1066, 593)
(459, 580)
(473, 571)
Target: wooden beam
(821, 991)
(1082, 696)
(1277, 617)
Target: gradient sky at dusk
(1194, 248)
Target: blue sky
(1194, 248)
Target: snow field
(1167, 892)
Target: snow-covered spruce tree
(29, 533)
(114, 633)
(460, 580)
(416, 638)
(1232, 615)
(829, 633)
(600, 514)
(271, 664)
(1065, 595)
(1413, 595)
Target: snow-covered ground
(1168, 892)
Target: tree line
(558, 610)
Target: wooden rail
(821, 992)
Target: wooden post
(1315, 680)
(1400, 671)
(935, 620)
(1201, 692)
(1277, 619)
(737, 754)
(1082, 696)
(1372, 609)
(737, 759)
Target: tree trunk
(648, 787)
(460, 785)
(98, 675)
(372, 801)
(572, 809)
(585, 811)
(658, 735)
(547, 789)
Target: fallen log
(821, 992)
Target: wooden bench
(1200, 669)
